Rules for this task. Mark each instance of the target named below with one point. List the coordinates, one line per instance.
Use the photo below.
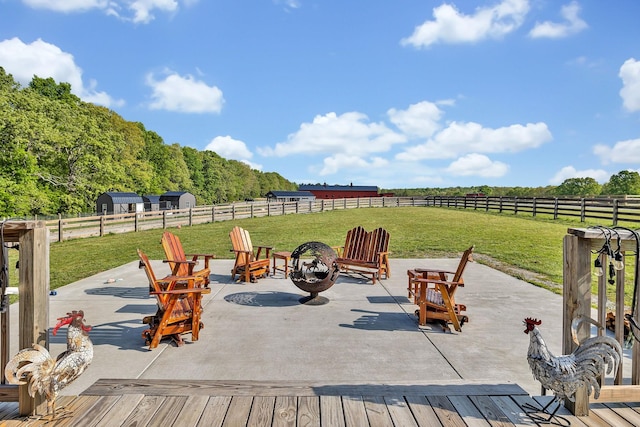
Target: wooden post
(614, 214)
(102, 226)
(34, 299)
(577, 302)
(582, 209)
(190, 217)
(59, 227)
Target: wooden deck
(242, 403)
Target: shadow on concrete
(264, 299)
(382, 321)
(138, 292)
(118, 334)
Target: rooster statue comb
(47, 376)
(565, 374)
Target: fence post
(102, 226)
(533, 207)
(283, 210)
(233, 210)
(135, 222)
(500, 210)
(615, 212)
(486, 204)
(515, 205)
(582, 208)
(164, 219)
(59, 227)
(251, 214)
(190, 217)
(213, 213)
(555, 208)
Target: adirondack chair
(178, 262)
(366, 253)
(434, 291)
(248, 263)
(179, 306)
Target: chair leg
(449, 305)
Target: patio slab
(259, 331)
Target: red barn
(341, 191)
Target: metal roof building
(341, 191)
(113, 202)
(290, 196)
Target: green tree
(624, 182)
(584, 187)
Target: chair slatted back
(365, 246)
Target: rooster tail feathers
(24, 362)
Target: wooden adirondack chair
(178, 262)
(434, 291)
(179, 306)
(366, 252)
(248, 263)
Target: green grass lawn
(529, 248)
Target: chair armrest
(429, 270)
(179, 261)
(182, 291)
(207, 257)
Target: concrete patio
(259, 331)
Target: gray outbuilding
(177, 200)
(113, 202)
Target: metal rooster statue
(565, 374)
(47, 376)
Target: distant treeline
(625, 182)
(59, 153)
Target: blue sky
(397, 94)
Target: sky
(389, 93)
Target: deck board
(162, 403)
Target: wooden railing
(612, 211)
(581, 247)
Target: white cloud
(184, 94)
(234, 149)
(67, 5)
(630, 92)
(333, 164)
(572, 24)
(339, 142)
(622, 152)
(461, 138)
(475, 164)
(451, 26)
(349, 133)
(46, 60)
(140, 11)
(289, 4)
(571, 172)
(419, 120)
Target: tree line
(625, 182)
(59, 153)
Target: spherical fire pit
(314, 269)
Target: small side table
(284, 256)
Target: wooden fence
(612, 211)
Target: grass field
(525, 247)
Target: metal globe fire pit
(314, 269)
